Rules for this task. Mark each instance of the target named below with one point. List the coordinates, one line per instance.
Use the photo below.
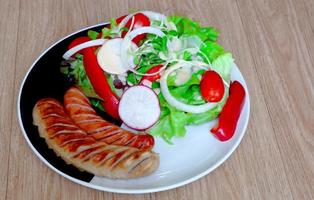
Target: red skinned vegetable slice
(212, 87)
(230, 113)
(100, 83)
(119, 19)
(150, 71)
(140, 20)
(97, 78)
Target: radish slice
(67, 55)
(109, 57)
(178, 104)
(125, 127)
(139, 107)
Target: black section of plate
(45, 80)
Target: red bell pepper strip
(230, 113)
(119, 19)
(100, 83)
(150, 71)
(140, 20)
(97, 78)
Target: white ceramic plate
(187, 160)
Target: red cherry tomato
(140, 20)
(212, 87)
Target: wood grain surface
(273, 44)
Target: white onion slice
(145, 29)
(127, 41)
(125, 20)
(173, 101)
(154, 15)
(67, 55)
(150, 14)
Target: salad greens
(172, 122)
(77, 70)
(185, 40)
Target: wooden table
(273, 43)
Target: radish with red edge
(139, 107)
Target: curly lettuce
(172, 122)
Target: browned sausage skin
(83, 151)
(79, 109)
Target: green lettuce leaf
(186, 26)
(92, 34)
(81, 78)
(171, 123)
(223, 65)
(200, 118)
(76, 69)
(212, 50)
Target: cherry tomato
(140, 20)
(212, 87)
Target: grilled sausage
(78, 148)
(79, 109)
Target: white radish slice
(67, 55)
(178, 104)
(139, 107)
(146, 83)
(109, 56)
(125, 127)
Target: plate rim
(110, 189)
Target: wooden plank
(283, 69)
(8, 41)
(244, 176)
(41, 24)
(272, 43)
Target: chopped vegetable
(151, 71)
(100, 83)
(92, 34)
(109, 57)
(79, 47)
(174, 56)
(173, 101)
(230, 113)
(139, 107)
(212, 86)
(139, 20)
(77, 71)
